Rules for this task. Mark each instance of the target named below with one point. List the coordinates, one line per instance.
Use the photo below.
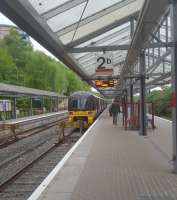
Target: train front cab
(87, 114)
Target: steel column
(142, 96)
(14, 108)
(31, 106)
(51, 104)
(174, 79)
(131, 106)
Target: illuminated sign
(104, 83)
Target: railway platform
(111, 163)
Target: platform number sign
(104, 62)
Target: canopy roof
(11, 90)
(75, 30)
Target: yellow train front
(83, 108)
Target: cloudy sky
(36, 45)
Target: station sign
(104, 64)
(5, 105)
(104, 83)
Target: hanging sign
(104, 83)
(104, 64)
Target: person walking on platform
(110, 110)
(115, 110)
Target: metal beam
(62, 8)
(155, 74)
(162, 83)
(156, 38)
(135, 76)
(113, 47)
(164, 76)
(104, 78)
(158, 44)
(142, 96)
(98, 48)
(174, 81)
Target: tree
(17, 48)
(162, 101)
(21, 65)
(8, 70)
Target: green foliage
(162, 101)
(8, 70)
(21, 65)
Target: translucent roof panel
(93, 25)
(43, 6)
(108, 35)
(74, 14)
(66, 18)
(98, 5)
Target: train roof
(85, 94)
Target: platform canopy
(76, 31)
(8, 90)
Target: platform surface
(32, 118)
(113, 164)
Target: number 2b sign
(104, 64)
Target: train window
(75, 103)
(78, 103)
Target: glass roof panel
(102, 21)
(42, 6)
(116, 41)
(66, 18)
(116, 32)
(98, 5)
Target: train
(83, 109)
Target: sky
(36, 45)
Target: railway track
(21, 184)
(29, 133)
(18, 134)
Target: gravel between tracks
(23, 187)
(22, 152)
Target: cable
(80, 20)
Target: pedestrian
(110, 110)
(115, 110)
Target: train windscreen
(78, 104)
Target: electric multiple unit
(83, 108)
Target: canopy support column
(174, 80)
(31, 106)
(14, 108)
(51, 104)
(142, 96)
(131, 106)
